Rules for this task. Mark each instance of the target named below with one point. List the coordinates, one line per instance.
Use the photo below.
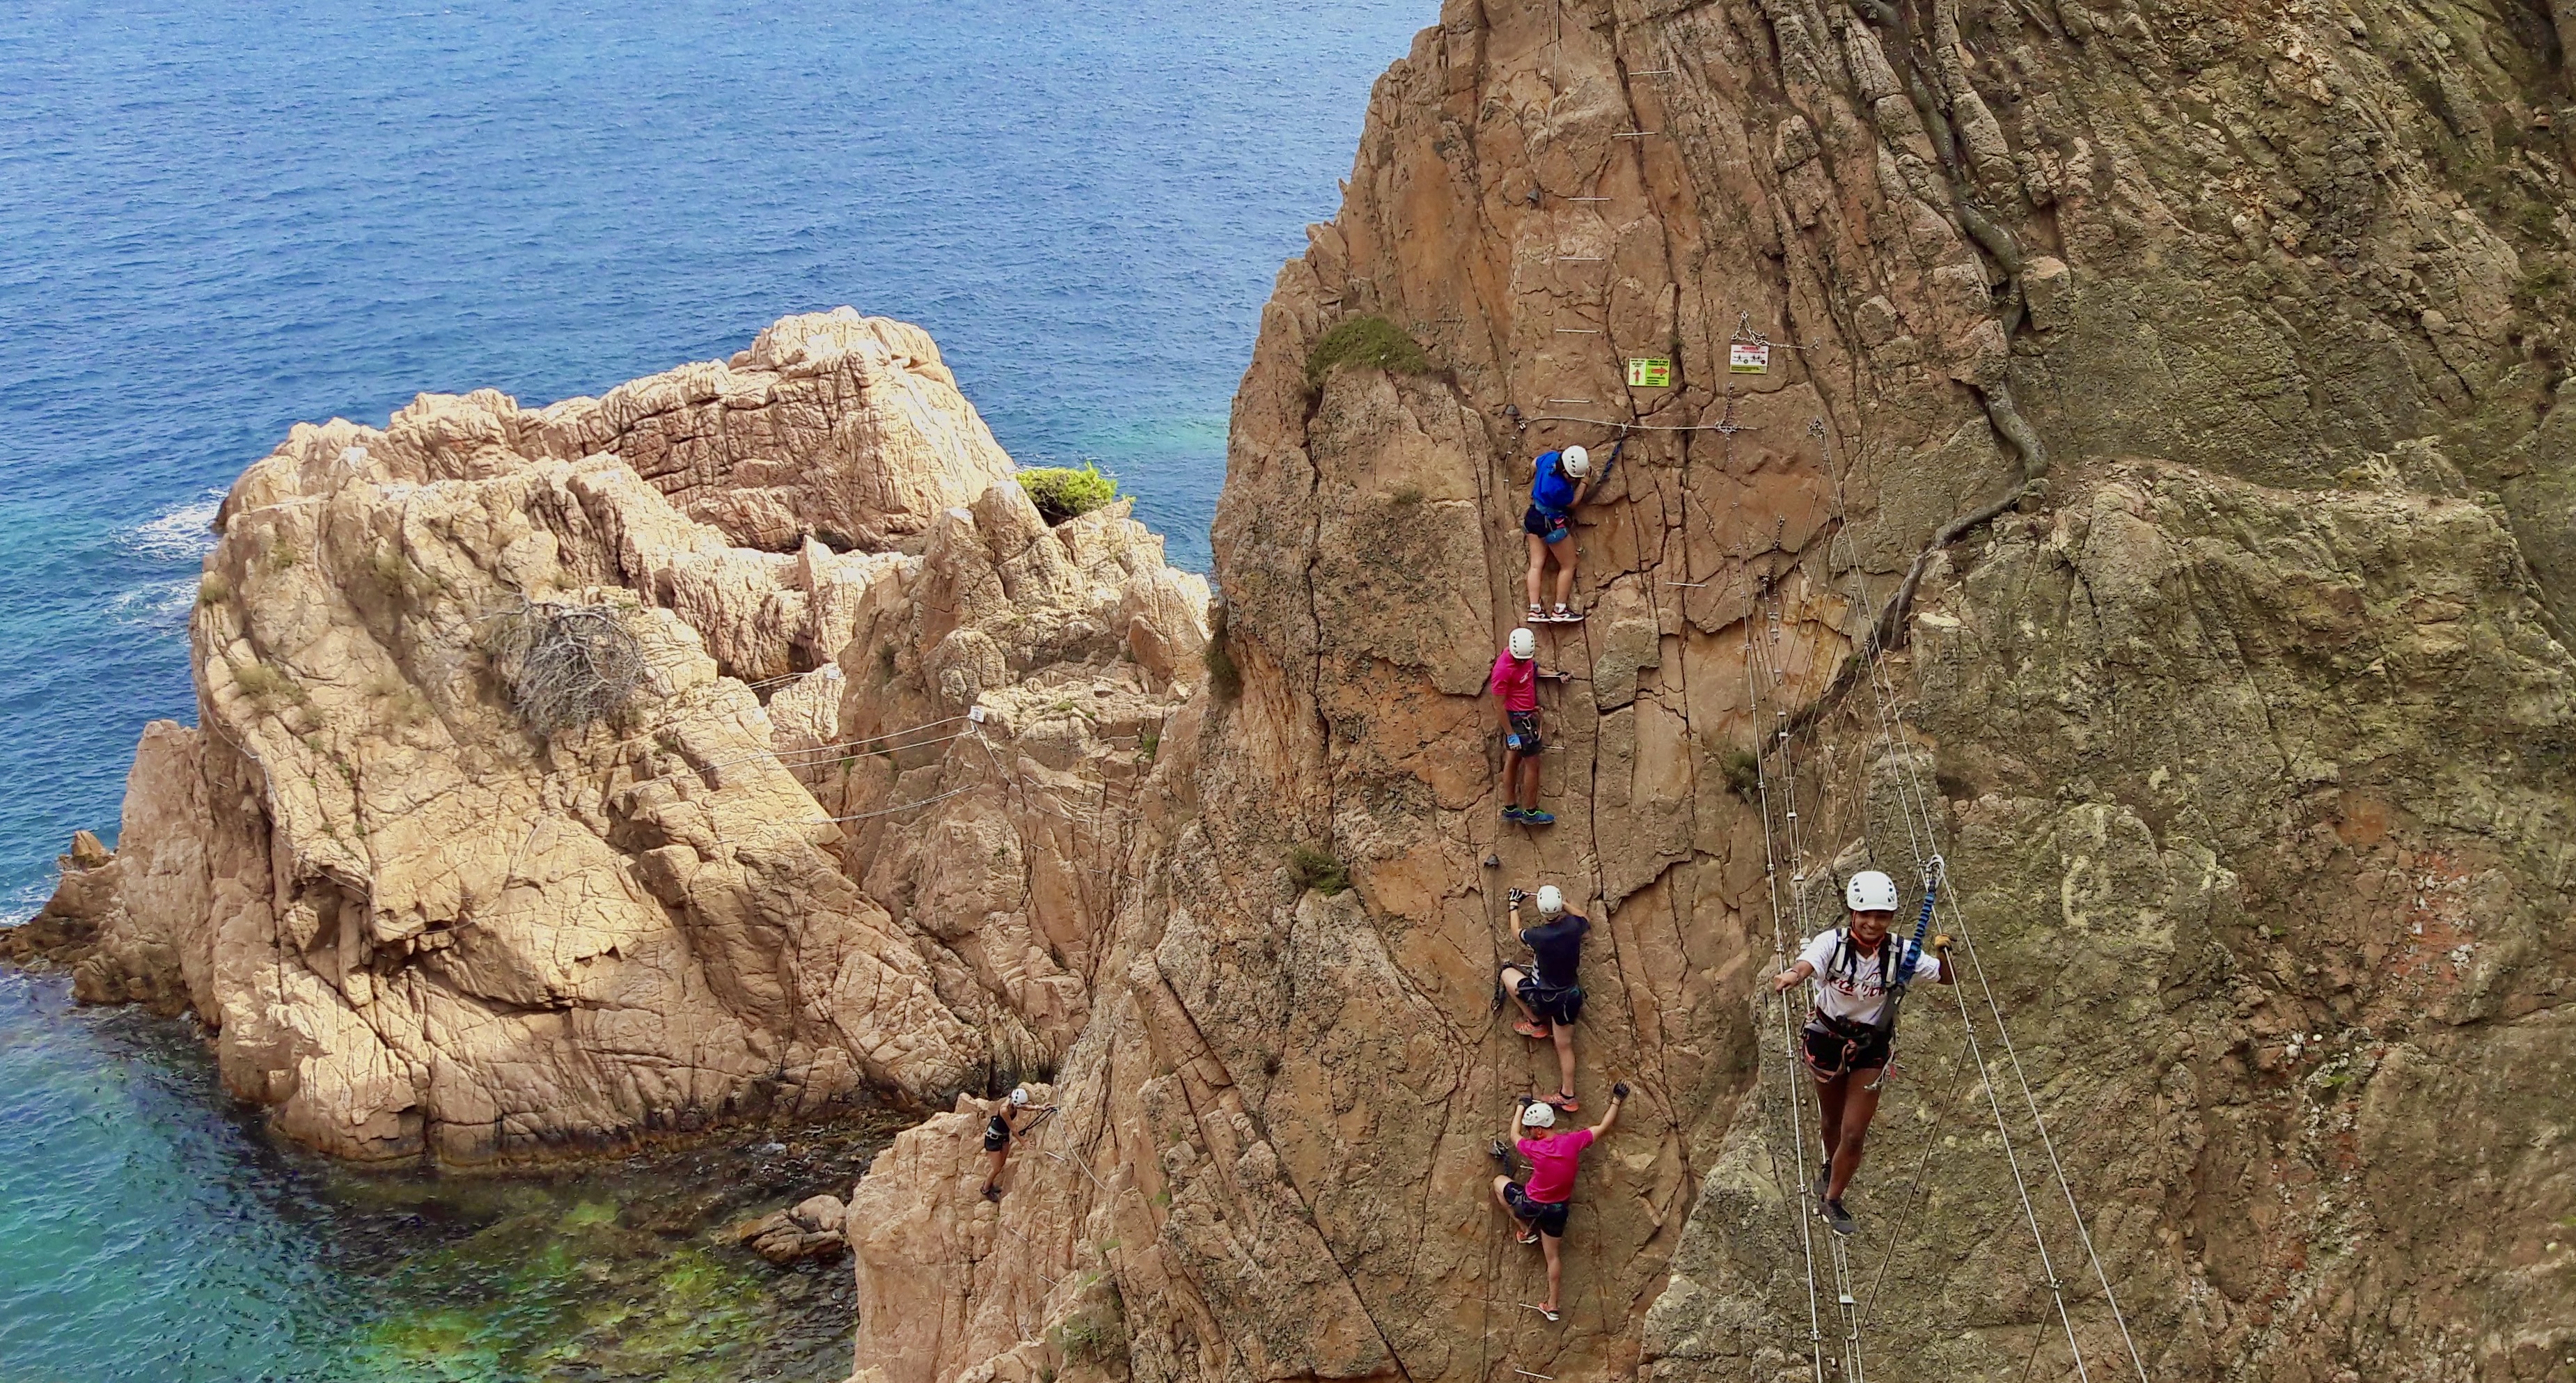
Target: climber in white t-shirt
(1849, 1031)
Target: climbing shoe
(1840, 1220)
(1532, 816)
(1511, 814)
(1824, 1182)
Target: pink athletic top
(1552, 1164)
(1516, 682)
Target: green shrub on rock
(1366, 341)
(1063, 492)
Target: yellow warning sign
(1646, 372)
(1749, 358)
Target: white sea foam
(25, 903)
(183, 533)
(160, 604)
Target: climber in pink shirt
(1540, 1204)
(1515, 688)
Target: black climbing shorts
(1555, 1005)
(1835, 1047)
(1550, 529)
(997, 1135)
(1546, 1218)
(1525, 725)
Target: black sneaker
(1840, 1220)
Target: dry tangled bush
(566, 666)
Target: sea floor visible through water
(624, 1270)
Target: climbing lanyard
(1913, 949)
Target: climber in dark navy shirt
(1545, 991)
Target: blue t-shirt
(1553, 490)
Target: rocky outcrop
(832, 426)
(488, 847)
(812, 1228)
(2171, 398)
(2155, 502)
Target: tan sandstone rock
(2244, 737)
(424, 918)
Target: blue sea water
(219, 217)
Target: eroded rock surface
(2243, 731)
(427, 912)
(2173, 395)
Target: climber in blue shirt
(1561, 481)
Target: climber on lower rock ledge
(1540, 1204)
(1007, 1120)
(1850, 1031)
(1515, 688)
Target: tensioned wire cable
(1788, 1032)
(1914, 801)
(1837, 1251)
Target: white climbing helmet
(1524, 644)
(1539, 1115)
(1870, 891)
(1577, 461)
(1020, 1098)
(1551, 901)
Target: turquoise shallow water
(217, 219)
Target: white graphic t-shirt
(1847, 985)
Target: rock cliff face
(2156, 502)
(488, 848)
(2178, 388)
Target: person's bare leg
(1829, 1105)
(1505, 1202)
(1565, 570)
(1512, 987)
(1555, 1267)
(1529, 782)
(1512, 761)
(1860, 1105)
(993, 1166)
(1564, 1035)
(1537, 565)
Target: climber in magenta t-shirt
(1515, 687)
(1540, 1204)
